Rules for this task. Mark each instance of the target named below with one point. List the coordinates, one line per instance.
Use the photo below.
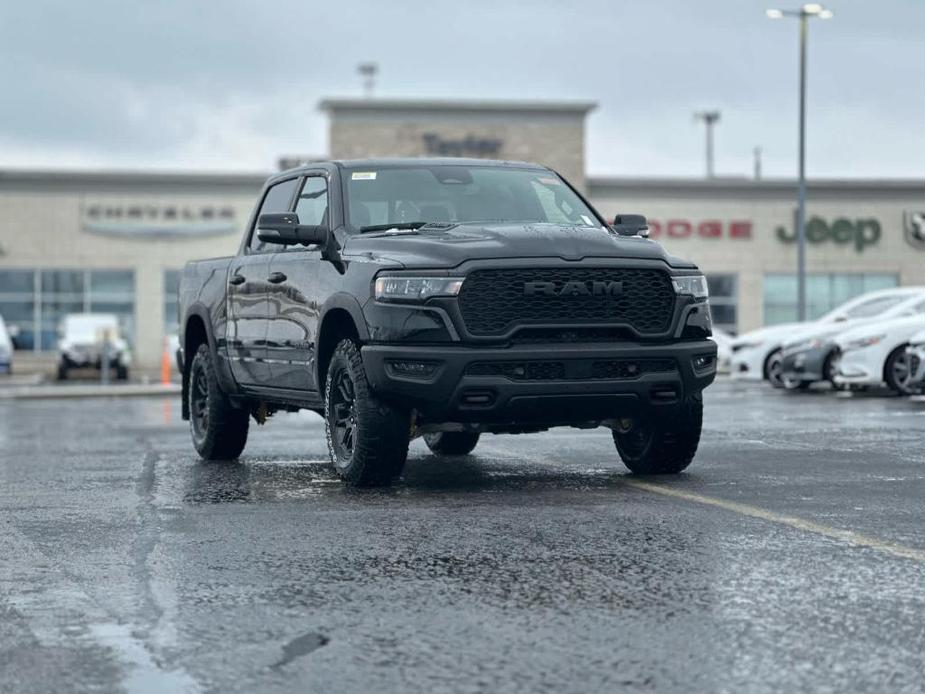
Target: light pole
(709, 118)
(812, 9)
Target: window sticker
(587, 220)
(547, 181)
(363, 176)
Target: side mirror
(631, 225)
(285, 229)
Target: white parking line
(846, 536)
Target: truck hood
(434, 247)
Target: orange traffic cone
(165, 364)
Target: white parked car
(84, 337)
(916, 352)
(723, 342)
(757, 354)
(812, 355)
(877, 354)
(6, 349)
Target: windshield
(83, 328)
(456, 193)
(876, 306)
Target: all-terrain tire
(367, 438)
(452, 442)
(662, 447)
(219, 429)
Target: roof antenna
(368, 72)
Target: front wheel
(662, 447)
(367, 438)
(452, 442)
(774, 369)
(898, 371)
(219, 430)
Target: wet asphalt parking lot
(791, 556)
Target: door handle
(237, 279)
(276, 277)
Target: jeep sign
(860, 233)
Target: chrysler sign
(157, 220)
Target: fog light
(703, 361)
(412, 369)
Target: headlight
(863, 342)
(404, 288)
(803, 345)
(749, 344)
(691, 285)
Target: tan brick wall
(45, 231)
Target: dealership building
(116, 242)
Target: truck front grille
(494, 301)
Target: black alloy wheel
(343, 415)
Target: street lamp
(812, 9)
(709, 119)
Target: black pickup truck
(444, 298)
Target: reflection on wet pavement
(531, 565)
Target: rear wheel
(452, 442)
(655, 447)
(62, 372)
(367, 438)
(898, 371)
(219, 430)
(830, 367)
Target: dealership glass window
(171, 301)
(34, 301)
(724, 301)
(824, 291)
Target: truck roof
(409, 162)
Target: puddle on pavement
(300, 646)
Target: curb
(88, 391)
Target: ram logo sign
(914, 226)
(573, 288)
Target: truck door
(248, 288)
(293, 298)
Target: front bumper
(860, 367)
(539, 384)
(807, 365)
(747, 363)
(90, 361)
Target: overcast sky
(231, 85)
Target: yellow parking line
(846, 536)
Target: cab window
(312, 205)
